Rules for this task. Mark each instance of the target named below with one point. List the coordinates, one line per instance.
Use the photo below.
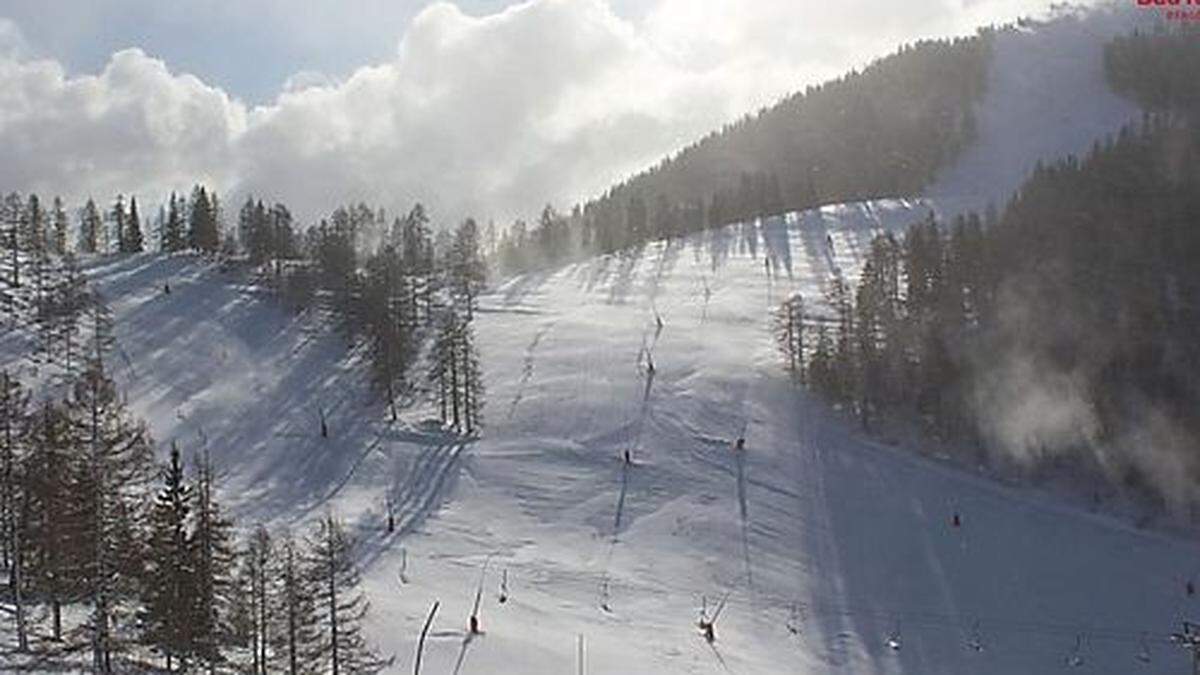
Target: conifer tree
(441, 358)
(118, 216)
(169, 595)
(389, 335)
(295, 631)
(340, 604)
(174, 239)
(466, 266)
(55, 514)
(33, 226)
(133, 241)
(203, 230)
(119, 464)
(14, 211)
(256, 576)
(70, 298)
(58, 239)
(14, 403)
(470, 376)
(416, 253)
(90, 224)
(215, 557)
(789, 334)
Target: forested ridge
(1063, 329)
(881, 132)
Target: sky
(488, 108)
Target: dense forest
(1065, 328)
(89, 516)
(1158, 70)
(880, 132)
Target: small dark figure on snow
(504, 588)
(956, 521)
(628, 458)
(706, 627)
(167, 288)
(474, 625)
(829, 242)
(740, 445)
(391, 523)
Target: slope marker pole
(579, 653)
(421, 642)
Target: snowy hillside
(826, 544)
(1046, 98)
(828, 552)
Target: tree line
(880, 132)
(392, 286)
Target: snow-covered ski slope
(826, 543)
(1046, 98)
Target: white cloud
(549, 100)
(12, 40)
(133, 126)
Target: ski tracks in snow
(425, 485)
(527, 369)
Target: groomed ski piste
(827, 551)
(823, 544)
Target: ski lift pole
(1189, 639)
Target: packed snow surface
(826, 544)
(1046, 98)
